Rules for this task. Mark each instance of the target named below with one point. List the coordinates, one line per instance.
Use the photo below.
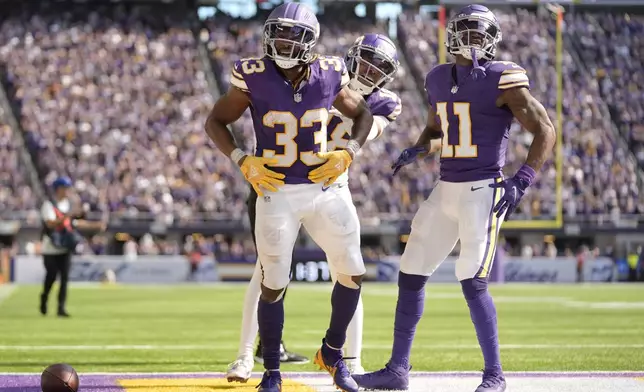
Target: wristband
(353, 147)
(237, 155)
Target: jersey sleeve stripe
(513, 77)
(510, 71)
(239, 83)
(237, 74)
(513, 85)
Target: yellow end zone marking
(202, 385)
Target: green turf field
(196, 328)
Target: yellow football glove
(255, 171)
(337, 162)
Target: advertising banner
(599, 270)
(142, 269)
(515, 269)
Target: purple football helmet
(290, 32)
(372, 62)
(474, 31)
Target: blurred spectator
(551, 251)
(130, 249)
(527, 252)
(16, 195)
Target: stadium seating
(611, 47)
(599, 176)
(16, 197)
(117, 98)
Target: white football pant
(453, 211)
(330, 219)
(353, 346)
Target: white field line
(505, 331)
(466, 373)
(143, 347)
(561, 301)
(389, 290)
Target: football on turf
(59, 378)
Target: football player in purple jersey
(290, 92)
(472, 101)
(372, 62)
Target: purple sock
(271, 323)
(483, 315)
(409, 309)
(344, 301)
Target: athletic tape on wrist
(353, 147)
(237, 155)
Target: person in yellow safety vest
(632, 260)
(639, 265)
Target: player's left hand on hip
(337, 162)
(409, 155)
(513, 190)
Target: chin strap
(478, 72)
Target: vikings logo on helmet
(473, 29)
(290, 32)
(372, 62)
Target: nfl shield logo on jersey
(454, 89)
(297, 97)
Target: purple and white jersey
(382, 103)
(476, 130)
(385, 107)
(291, 124)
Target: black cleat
(64, 314)
(285, 356)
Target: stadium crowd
(613, 49)
(16, 195)
(598, 176)
(116, 98)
